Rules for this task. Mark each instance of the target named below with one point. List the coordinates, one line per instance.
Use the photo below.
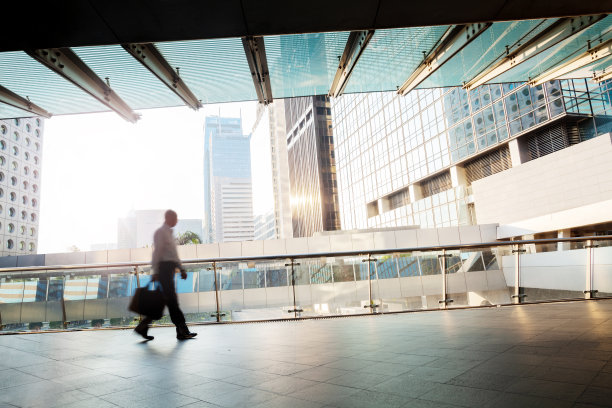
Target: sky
(98, 167)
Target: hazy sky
(96, 167)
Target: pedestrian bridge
(537, 355)
(382, 273)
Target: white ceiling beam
(452, 42)
(593, 54)
(255, 51)
(66, 63)
(149, 56)
(355, 45)
(9, 97)
(555, 34)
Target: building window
(26, 155)
(38, 122)
(34, 188)
(3, 129)
(26, 170)
(22, 230)
(25, 185)
(15, 150)
(16, 136)
(21, 245)
(35, 159)
(14, 165)
(12, 212)
(17, 122)
(28, 141)
(488, 164)
(34, 202)
(10, 244)
(32, 231)
(24, 199)
(372, 209)
(11, 228)
(2, 160)
(2, 145)
(14, 181)
(37, 146)
(24, 215)
(37, 133)
(35, 174)
(31, 247)
(436, 184)
(1, 176)
(33, 217)
(13, 196)
(28, 127)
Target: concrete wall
(401, 238)
(568, 188)
(564, 270)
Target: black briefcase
(148, 302)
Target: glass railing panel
(410, 282)
(96, 299)
(430, 269)
(386, 289)
(552, 271)
(33, 308)
(279, 294)
(121, 286)
(476, 278)
(187, 291)
(602, 269)
(230, 279)
(11, 296)
(207, 304)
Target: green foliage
(189, 237)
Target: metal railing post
(371, 304)
(137, 276)
(64, 322)
(296, 309)
(518, 291)
(445, 300)
(218, 313)
(589, 293)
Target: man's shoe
(186, 336)
(143, 333)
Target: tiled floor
(549, 355)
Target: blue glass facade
(387, 145)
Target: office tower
(270, 171)
(137, 228)
(228, 202)
(312, 173)
(429, 158)
(21, 143)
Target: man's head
(171, 218)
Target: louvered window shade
(436, 184)
(491, 163)
(548, 141)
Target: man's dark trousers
(165, 276)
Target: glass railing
(315, 285)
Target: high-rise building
(228, 202)
(424, 159)
(21, 143)
(270, 174)
(312, 170)
(137, 228)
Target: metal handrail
(308, 255)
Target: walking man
(165, 264)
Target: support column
(416, 192)
(519, 153)
(458, 177)
(564, 246)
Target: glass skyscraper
(312, 170)
(228, 200)
(411, 160)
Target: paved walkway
(549, 355)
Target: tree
(189, 237)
